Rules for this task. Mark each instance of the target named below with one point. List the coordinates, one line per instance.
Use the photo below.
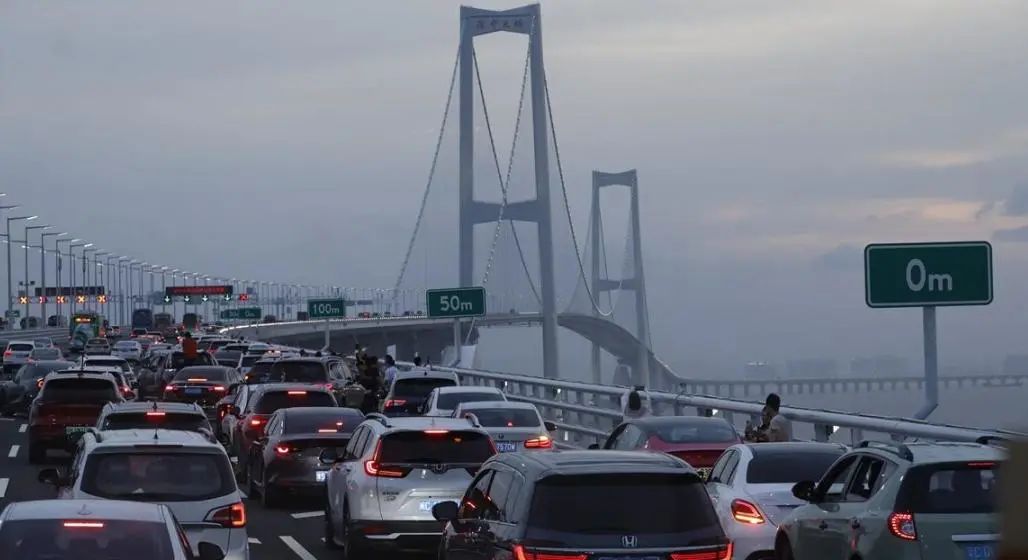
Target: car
(381, 491)
(97, 346)
(287, 458)
(17, 354)
(697, 440)
(514, 426)
(43, 342)
(327, 372)
(228, 412)
(120, 377)
(228, 358)
(204, 385)
(236, 347)
(107, 361)
(66, 406)
(260, 370)
(751, 487)
(45, 354)
(154, 415)
(258, 348)
(184, 470)
(137, 332)
(409, 389)
(898, 501)
(86, 529)
(253, 414)
(583, 504)
(17, 391)
(443, 400)
(128, 349)
(155, 374)
(115, 331)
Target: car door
(811, 520)
(717, 481)
(257, 459)
(471, 523)
(846, 526)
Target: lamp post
(100, 275)
(86, 276)
(71, 273)
(58, 267)
(28, 297)
(42, 270)
(110, 268)
(121, 293)
(8, 207)
(10, 297)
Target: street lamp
(58, 265)
(99, 276)
(42, 270)
(86, 277)
(10, 297)
(121, 294)
(71, 284)
(26, 249)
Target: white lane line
(5, 419)
(253, 540)
(297, 548)
(3, 486)
(307, 514)
(14, 451)
(22, 428)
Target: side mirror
(329, 456)
(445, 511)
(594, 446)
(50, 476)
(550, 426)
(210, 551)
(804, 490)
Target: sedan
(697, 440)
(127, 349)
(17, 391)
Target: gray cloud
(842, 257)
(1016, 235)
(1017, 203)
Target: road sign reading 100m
(456, 302)
(326, 308)
(925, 274)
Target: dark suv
(329, 373)
(583, 504)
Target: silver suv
(381, 491)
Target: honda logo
(630, 541)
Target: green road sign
(326, 308)
(925, 274)
(456, 302)
(13, 313)
(241, 313)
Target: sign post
(456, 303)
(928, 275)
(326, 309)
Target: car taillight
(521, 554)
(902, 526)
(256, 422)
(395, 402)
(8, 353)
(541, 442)
(723, 552)
(219, 388)
(170, 388)
(39, 384)
(84, 524)
(233, 516)
(158, 414)
(374, 468)
(745, 512)
(285, 450)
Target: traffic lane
(18, 479)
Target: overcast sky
(773, 141)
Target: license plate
(980, 551)
(427, 505)
(194, 391)
(320, 476)
(506, 446)
(75, 429)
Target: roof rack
(989, 439)
(379, 417)
(896, 448)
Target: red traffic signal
(62, 299)
(244, 297)
(42, 299)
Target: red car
(68, 404)
(697, 440)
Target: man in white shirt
(391, 371)
(777, 427)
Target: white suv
(380, 493)
(183, 470)
(443, 400)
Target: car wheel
(269, 494)
(783, 550)
(330, 531)
(352, 549)
(37, 453)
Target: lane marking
(253, 540)
(297, 548)
(22, 428)
(14, 451)
(3, 486)
(307, 514)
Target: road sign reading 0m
(456, 302)
(326, 308)
(923, 274)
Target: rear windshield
(506, 417)
(126, 345)
(447, 447)
(780, 468)
(201, 374)
(250, 360)
(340, 420)
(77, 391)
(19, 347)
(700, 432)
(950, 488)
(419, 386)
(449, 401)
(274, 400)
(179, 361)
(63, 540)
(46, 353)
(120, 364)
(155, 419)
(35, 371)
(299, 372)
(158, 476)
(595, 505)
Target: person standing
(391, 371)
(633, 405)
(776, 426)
(189, 349)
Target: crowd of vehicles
(461, 471)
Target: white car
(443, 400)
(514, 426)
(184, 470)
(127, 349)
(751, 487)
(17, 353)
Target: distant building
(760, 370)
(812, 368)
(879, 366)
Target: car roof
(665, 421)
(85, 510)
(21, 342)
(277, 387)
(468, 389)
(64, 364)
(560, 462)
(83, 373)
(793, 447)
(480, 405)
(319, 410)
(311, 359)
(146, 406)
(204, 367)
(104, 358)
(426, 373)
(154, 437)
(405, 423)
(945, 451)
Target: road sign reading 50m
(456, 302)
(922, 274)
(325, 308)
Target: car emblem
(499, 436)
(630, 541)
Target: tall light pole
(71, 282)
(8, 207)
(10, 296)
(125, 320)
(112, 302)
(25, 247)
(88, 278)
(42, 270)
(100, 275)
(58, 267)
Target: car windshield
(781, 467)
(449, 401)
(46, 353)
(506, 417)
(126, 345)
(295, 371)
(339, 420)
(155, 419)
(951, 488)
(696, 432)
(274, 400)
(419, 386)
(201, 374)
(249, 361)
(33, 372)
(158, 476)
(101, 362)
(21, 347)
(74, 391)
(42, 343)
(84, 539)
(444, 446)
(595, 504)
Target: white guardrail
(586, 413)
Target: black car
(329, 373)
(203, 385)
(260, 371)
(155, 374)
(18, 390)
(286, 458)
(228, 358)
(579, 504)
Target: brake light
(283, 449)
(745, 512)
(374, 468)
(155, 414)
(541, 442)
(328, 431)
(296, 392)
(196, 379)
(723, 552)
(981, 465)
(329, 386)
(170, 388)
(231, 516)
(901, 525)
(256, 421)
(436, 432)
(8, 353)
(84, 524)
(521, 554)
(395, 402)
(219, 388)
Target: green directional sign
(928, 274)
(456, 302)
(326, 308)
(241, 313)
